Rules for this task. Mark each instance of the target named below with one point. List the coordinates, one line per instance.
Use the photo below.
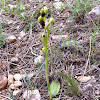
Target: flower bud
(43, 49)
(45, 9)
(43, 39)
(51, 20)
(43, 35)
(40, 18)
(42, 10)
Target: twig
(88, 59)
(5, 96)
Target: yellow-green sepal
(51, 20)
(45, 9)
(41, 18)
(42, 10)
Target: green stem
(46, 66)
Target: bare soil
(76, 59)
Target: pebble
(35, 95)
(17, 77)
(12, 86)
(14, 60)
(38, 60)
(10, 79)
(15, 92)
(17, 84)
(11, 39)
(88, 86)
(3, 81)
(22, 34)
(58, 5)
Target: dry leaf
(83, 78)
(59, 36)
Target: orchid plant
(54, 87)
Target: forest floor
(77, 54)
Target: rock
(27, 94)
(15, 92)
(12, 6)
(22, 34)
(58, 5)
(17, 84)
(17, 77)
(10, 22)
(66, 14)
(35, 95)
(97, 92)
(11, 39)
(94, 14)
(12, 86)
(38, 60)
(14, 60)
(32, 74)
(3, 81)
(86, 87)
(10, 79)
(56, 99)
(95, 10)
(32, 96)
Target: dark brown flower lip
(42, 23)
(43, 14)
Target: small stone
(17, 77)
(27, 94)
(12, 6)
(3, 81)
(17, 84)
(10, 79)
(19, 38)
(66, 14)
(12, 86)
(97, 92)
(32, 96)
(15, 92)
(11, 39)
(93, 15)
(14, 60)
(58, 5)
(95, 10)
(38, 60)
(88, 86)
(35, 95)
(10, 22)
(22, 34)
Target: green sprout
(53, 89)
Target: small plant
(80, 8)
(3, 2)
(53, 89)
(71, 84)
(2, 38)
